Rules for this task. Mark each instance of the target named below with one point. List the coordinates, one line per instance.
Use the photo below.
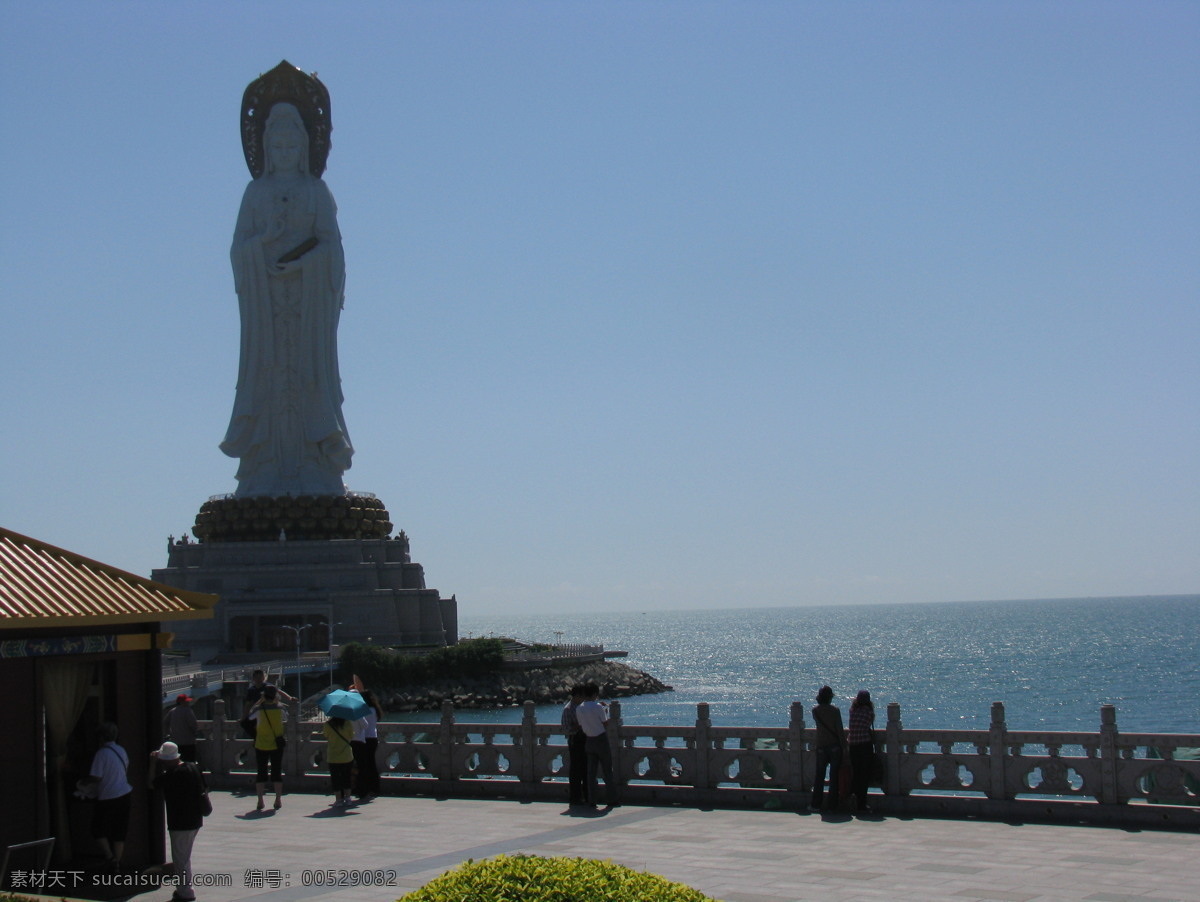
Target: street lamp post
(297, 630)
(332, 624)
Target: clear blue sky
(649, 305)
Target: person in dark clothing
(254, 692)
(365, 746)
(593, 720)
(828, 748)
(576, 749)
(185, 795)
(861, 739)
(182, 727)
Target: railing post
(293, 755)
(528, 722)
(703, 779)
(444, 768)
(1110, 757)
(998, 753)
(616, 742)
(895, 751)
(219, 766)
(796, 754)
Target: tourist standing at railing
(254, 692)
(576, 749)
(365, 745)
(860, 737)
(340, 758)
(828, 747)
(593, 720)
(182, 727)
(269, 719)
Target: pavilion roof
(41, 585)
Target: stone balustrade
(1102, 777)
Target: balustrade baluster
(217, 763)
(526, 767)
(895, 750)
(616, 742)
(798, 779)
(442, 762)
(998, 734)
(702, 779)
(1110, 791)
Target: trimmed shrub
(532, 878)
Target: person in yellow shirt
(340, 757)
(268, 744)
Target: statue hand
(284, 268)
(274, 233)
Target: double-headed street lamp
(332, 624)
(297, 630)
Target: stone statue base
(355, 515)
(315, 592)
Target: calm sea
(1053, 663)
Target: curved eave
(45, 586)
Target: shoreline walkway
(737, 856)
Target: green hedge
(382, 668)
(531, 878)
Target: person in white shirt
(576, 749)
(108, 779)
(592, 716)
(365, 745)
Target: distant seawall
(511, 688)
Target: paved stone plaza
(737, 856)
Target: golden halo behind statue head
(286, 84)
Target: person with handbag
(186, 797)
(269, 743)
(107, 782)
(861, 739)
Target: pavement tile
(737, 856)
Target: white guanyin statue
(287, 427)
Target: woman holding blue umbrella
(341, 706)
(340, 757)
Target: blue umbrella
(343, 704)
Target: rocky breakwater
(507, 688)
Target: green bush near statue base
(532, 878)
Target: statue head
(285, 140)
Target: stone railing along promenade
(1103, 777)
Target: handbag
(205, 802)
(845, 779)
(280, 739)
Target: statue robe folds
(287, 426)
